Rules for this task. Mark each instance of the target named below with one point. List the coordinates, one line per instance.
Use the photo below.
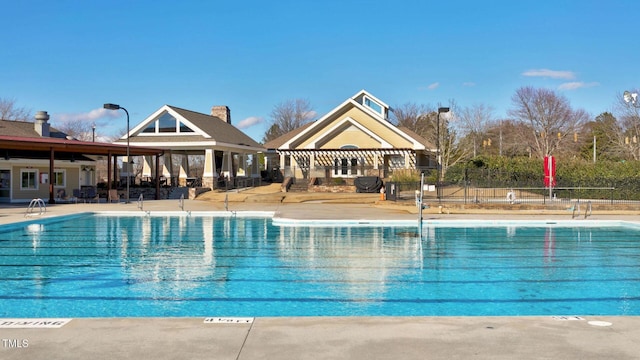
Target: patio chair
(113, 196)
(77, 195)
(62, 198)
(91, 195)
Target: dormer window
(166, 123)
(373, 105)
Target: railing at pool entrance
(36, 202)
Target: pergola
(325, 157)
(53, 148)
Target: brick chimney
(223, 112)
(41, 125)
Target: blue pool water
(110, 266)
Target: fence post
(611, 194)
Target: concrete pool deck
(327, 337)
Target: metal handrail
(41, 205)
(140, 202)
(181, 202)
(576, 209)
(588, 211)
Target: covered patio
(63, 150)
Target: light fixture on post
(93, 132)
(118, 107)
(632, 99)
(438, 161)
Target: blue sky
(70, 57)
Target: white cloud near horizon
(92, 115)
(250, 121)
(576, 85)
(554, 74)
(432, 86)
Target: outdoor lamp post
(631, 98)
(118, 107)
(93, 133)
(438, 164)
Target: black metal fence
(510, 195)
(497, 186)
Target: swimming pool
(97, 265)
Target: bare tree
(474, 121)
(288, 116)
(10, 111)
(416, 118)
(549, 117)
(78, 129)
(423, 120)
(628, 139)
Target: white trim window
(347, 166)
(373, 105)
(28, 179)
(166, 124)
(397, 162)
(59, 178)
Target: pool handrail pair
(576, 210)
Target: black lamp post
(631, 98)
(438, 165)
(118, 107)
(93, 133)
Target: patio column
(184, 169)
(147, 169)
(209, 174)
(168, 166)
(255, 165)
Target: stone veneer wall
(332, 188)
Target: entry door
(5, 185)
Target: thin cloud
(468, 84)
(554, 74)
(92, 115)
(429, 87)
(250, 121)
(576, 85)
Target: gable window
(373, 105)
(28, 179)
(165, 124)
(59, 178)
(185, 129)
(151, 128)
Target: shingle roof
(279, 141)
(219, 131)
(217, 128)
(26, 129)
(417, 137)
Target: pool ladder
(141, 202)
(42, 207)
(181, 202)
(576, 210)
